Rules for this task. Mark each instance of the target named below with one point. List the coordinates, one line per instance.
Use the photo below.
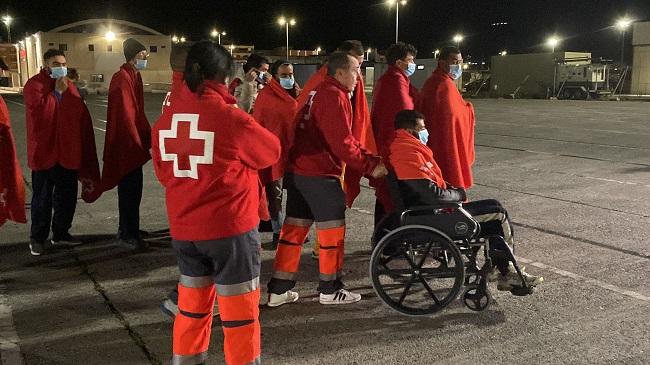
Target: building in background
(641, 59)
(94, 48)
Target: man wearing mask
(449, 119)
(392, 94)
(361, 126)
(256, 71)
(128, 140)
(60, 151)
(323, 143)
(275, 109)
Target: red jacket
(60, 132)
(12, 186)
(128, 133)
(324, 139)
(450, 121)
(276, 109)
(206, 154)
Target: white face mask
(456, 71)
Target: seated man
(421, 183)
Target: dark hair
(352, 47)
(52, 53)
(207, 61)
(399, 51)
(447, 51)
(407, 119)
(3, 64)
(276, 66)
(254, 61)
(337, 60)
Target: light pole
(7, 19)
(318, 51)
(622, 25)
(286, 23)
(217, 34)
(457, 39)
(397, 3)
(368, 54)
(553, 42)
(436, 53)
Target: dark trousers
(494, 221)
(129, 194)
(53, 188)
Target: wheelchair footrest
(522, 291)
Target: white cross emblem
(194, 134)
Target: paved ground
(574, 175)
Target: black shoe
(271, 245)
(135, 244)
(36, 248)
(65, 240)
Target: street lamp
(217, 34)
(318, 50)
(368, 54)
(622, 25)
(397, 3)
(110, 36)
(175, 39)
(553, 42)
(7, 19)
(287, 22)
(457, 39)
(436, 53)
(232, 47)
(503, 53)
(182, 39)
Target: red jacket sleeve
(257, 148)
(40, 103)
(336, 128)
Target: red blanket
(412, 160)
(275, 109)
(128, 133)
(450, 121)
(361, 129)
(61, 132)
(12, 186)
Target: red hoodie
(128, 134)
(12, 186)
(60, 132)
(324, 140)
(206, 154)
(450, 121)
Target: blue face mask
(455, 71)
(140, 64)
(287, 82)
(410, 69)
(58, 72)
(424, 136)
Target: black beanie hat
(132, 48)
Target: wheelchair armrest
(441, 205)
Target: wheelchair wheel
(477, 298)
(416, 270)
(385, 226)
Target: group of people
(225, 150)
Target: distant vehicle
(585, 81)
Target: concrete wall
(102, 60)
(641, 59)
(509, 72)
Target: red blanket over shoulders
(12, 186)
(450, 121)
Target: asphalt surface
(575, 177)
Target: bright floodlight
(553, 42)
(214, 33)
(292, 22)
(110, 36)
(282, 21)
(175, 39)
(458, 38)
(623, 24)
(7, 19)
(182, 39)
(503, 53)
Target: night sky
(428, 24)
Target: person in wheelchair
(421, 183)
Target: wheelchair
(424, 256)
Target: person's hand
(61, 85)
(379, 171)
(251, 75)
(267, 77)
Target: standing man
(323, 143)
(256, 70)
(449, 119)
(60, 150)
(128, 140)
(12, 186)
(275, 109)
(206, 154)
(393, 93)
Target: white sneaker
(276, 300)
(511, 279)
(340, 296)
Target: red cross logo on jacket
(186, 145)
